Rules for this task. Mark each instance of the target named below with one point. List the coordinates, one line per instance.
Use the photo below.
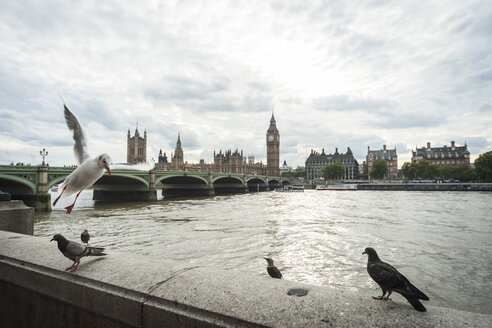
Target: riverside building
(317, 161)
(452, 155)
(389, 155)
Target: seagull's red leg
(69, 208)
(57, 198)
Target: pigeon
(89, 170)
(390, 280)
(272, 269)
(84, 236)
(75, 251)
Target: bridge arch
(166, 177)
(257, 184)
(183, 185)
(228, 185)
(232, 177)
(56, 180)
(20, 180)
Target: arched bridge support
(42, 199)
(121, 186)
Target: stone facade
(389, 155)
(317, 161)
(136, 149)
(453, 155)
(235, 162)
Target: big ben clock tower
(273, 149)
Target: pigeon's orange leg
(380, 297)
(75, 268)
(68, 268)
(69, 208)
(57, 198)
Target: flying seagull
(272, 269)
(84, 236)
(390, 280)
(89, 169)
(75, 251)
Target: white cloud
(337, 75)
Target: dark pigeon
(75, 251)
(390, 280)
(84, 236)
(272, 269)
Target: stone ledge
(139, 291)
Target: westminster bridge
(32, 183)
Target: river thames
(441, 241)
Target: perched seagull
(390, 280)
(84, 236)
(75, 251)
(89, 170)
(272, 269)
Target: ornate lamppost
(43, 153)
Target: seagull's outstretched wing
(80, 147)
(134, 167)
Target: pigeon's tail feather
(415, 303)
(418, 293)
(96, 251)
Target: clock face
(270, 138)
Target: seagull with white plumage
(89, 169)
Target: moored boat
(290, 189)
(337, 187)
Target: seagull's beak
(107, 169)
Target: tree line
(424, 169)
(461, 172)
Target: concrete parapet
(128, 290)
(15, 216)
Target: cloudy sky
(335, 73)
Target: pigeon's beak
(52, 239)
(364, 253)
(107, 169)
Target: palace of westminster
(235, 162)
(227, 162)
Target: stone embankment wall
(128, 290)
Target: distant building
(285, 168)
(229, 162)
(162, 162)
(177, 159)
(162, 159)
(389, 155)
(136, 149)
(273, 148)
(453, 155)
(317, 161)
(235, 162)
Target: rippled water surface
(441, 241)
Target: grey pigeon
(390, 280)
(84, 236)
(75, 251)
(272, 269)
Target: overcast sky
(335, 73)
